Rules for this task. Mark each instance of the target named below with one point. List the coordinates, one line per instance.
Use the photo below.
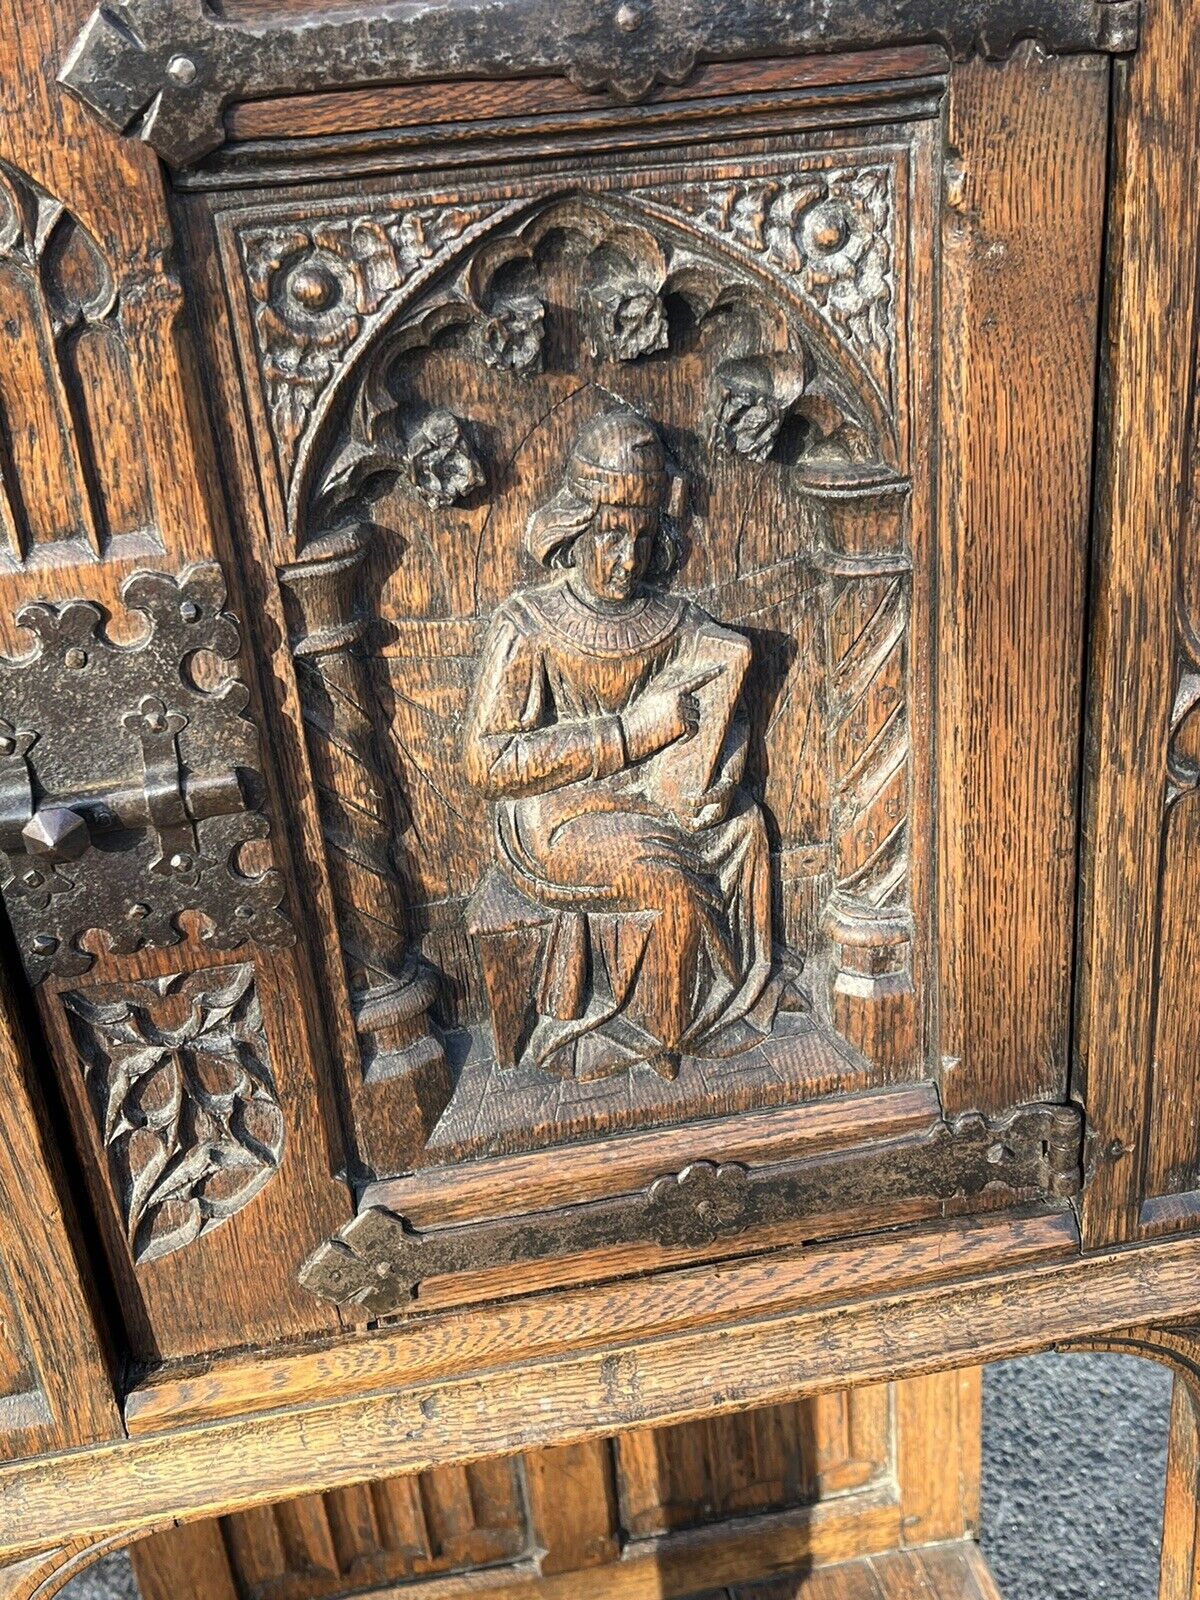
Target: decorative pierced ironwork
(127, 790)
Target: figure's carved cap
(619, 458)
(616, 459)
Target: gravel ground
(1075, 1451)
(1075, 1448)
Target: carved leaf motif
(439, 465)
(188, 1113)
(829, 232)
(316, 286)
(511, 335)
(629, 320)
(431, 458)
(754, 397)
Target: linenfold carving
(172, 66)
(179, 1079)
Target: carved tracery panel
(66, 389)
(425, 372)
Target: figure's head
(606, 521)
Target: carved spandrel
(179, 1081)
(830, 233)
(174, 65)
(321, 286)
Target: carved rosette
(317, 288)
(179, 1080)
(828, 232)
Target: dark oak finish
(656, 1513)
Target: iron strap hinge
(129, 781)
(169, 68)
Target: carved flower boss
(512, 333)
(833, 232)
(753, 398)
(629, 319)
(438, 463)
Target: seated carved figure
(628, 918)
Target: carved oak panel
(593, 514)
(66, 389)
(586, 499)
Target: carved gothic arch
(41, 1576)
(638, 280)
(711, 276)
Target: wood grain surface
(1021, 254)
(1147, 371)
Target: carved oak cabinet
(599, 643)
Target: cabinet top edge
(167, 70)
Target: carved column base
(872, 1001)
(402, 1048)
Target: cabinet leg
(189, 1562)
(40, 1577)
(1179, 1571)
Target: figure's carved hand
(662, 715)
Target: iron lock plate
(129, 779)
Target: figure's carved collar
(644, 622)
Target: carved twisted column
(868, 915)
(391, 991)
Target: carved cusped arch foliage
(794, 278)
(435, 411)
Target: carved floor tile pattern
(180, 1084)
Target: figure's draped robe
(661, 934)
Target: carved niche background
(422, 369)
